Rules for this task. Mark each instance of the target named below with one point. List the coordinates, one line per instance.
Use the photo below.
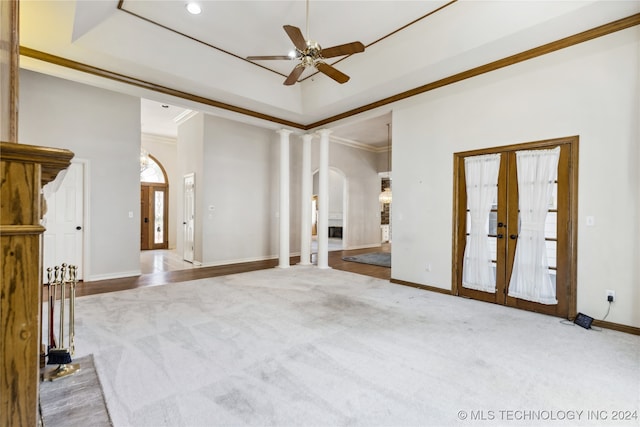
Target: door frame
(571, 175)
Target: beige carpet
(309, 347)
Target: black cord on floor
(608, 309)
(595, 328)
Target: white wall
(236, 196)
(165, 150)
(102, 127)
(241, 172)
(590, 90)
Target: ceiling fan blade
(293, 77)
(336, 75)
(268, 57)
(296, 37)
(343, 49)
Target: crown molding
(602, 30)
(355, 144)
(184, 116)
(163, 139)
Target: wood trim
(584, 36)
(52, 160)
(617, 327)
(150, 21)
(100, 72)
(392, 33)
(10, 67)
(423, 287)
(19, 230)
(121, 7)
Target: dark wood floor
(163, 278)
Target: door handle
(500, 224)
(513, 236)
(78, 228)
(146, 220)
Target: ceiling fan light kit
(311, 54)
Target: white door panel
(64, 222)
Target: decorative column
(284, 198)
(323, 200)
(307, 193)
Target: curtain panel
(481, 174)
(530, 278)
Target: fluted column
(284, 198)
(307, 193)
(323, 200)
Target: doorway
(154, 206)
(487, 265)
(338, 202)
(189, 208)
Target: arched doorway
(154, 204)
(338, 203)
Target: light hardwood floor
(163, 267)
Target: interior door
(64, 222)
(189, 217)
(503, 228)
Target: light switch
(591, 221)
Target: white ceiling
(408, 44)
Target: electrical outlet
(611, 294)
(428, 267)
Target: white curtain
(482, 182)
(530, 279)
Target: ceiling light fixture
(194, 8)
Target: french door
(502, 229)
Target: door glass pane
(553, 201)
(551, 252)
(493, 222)
(493, 248)
(551, 225)
(158, 224)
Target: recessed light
(165, 106)
(194, 8)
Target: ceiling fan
(311, 54)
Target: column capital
(323, 132)
(307, 137)
(284, 132)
